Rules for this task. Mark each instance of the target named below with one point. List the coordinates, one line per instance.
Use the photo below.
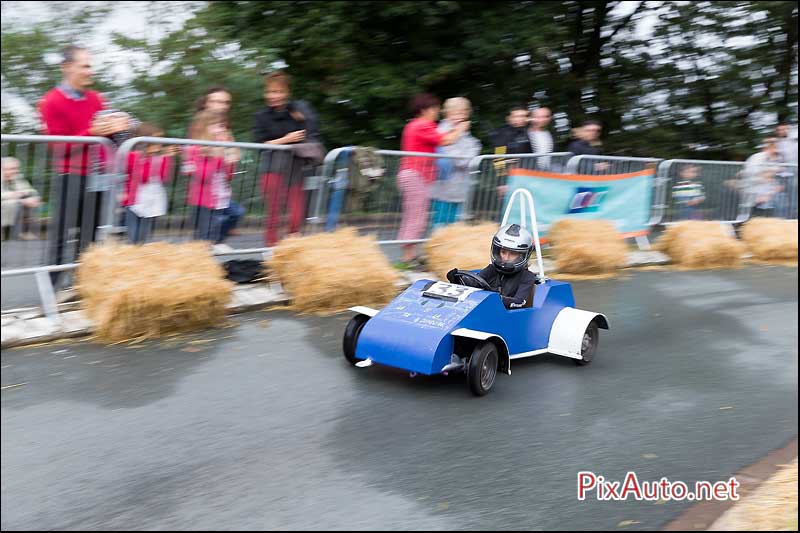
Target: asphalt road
(263, 425)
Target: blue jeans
(230, 218)
(139, 229)
(215, 224)
(688, 212)
(443, 213)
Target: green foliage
(700, 85)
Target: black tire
(482, 368)
(351, 333)
(591, 338)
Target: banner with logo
(624, 199)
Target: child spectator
(144, 198)
(212, 170)
(688, 193)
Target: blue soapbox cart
(435, 327)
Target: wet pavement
(263, 425)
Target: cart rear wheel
(482, 368)
(351, 333)
(591, 338)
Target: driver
(508, 272)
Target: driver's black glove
(451, 276)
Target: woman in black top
(285, 122)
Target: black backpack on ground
(244, 270)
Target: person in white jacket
(449, 192)
(19, 201)
(762, 183)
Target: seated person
(508, 273)
(20, 201)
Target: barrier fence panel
(398, 196)
(53, 198)
(727, 191)
(489, 174)
(246, 195)
(599, 165)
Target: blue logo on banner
(587, 199)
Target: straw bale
(592, 248)
(330, 272)
(770, 239)
(460, 246)
(148, 291)
(695, 244)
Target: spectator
(216, 99)
(415, 174)
(72, 109)
(513, 137)
(212, 170)
(19, 201)
(787, 143)
(587, 139)
(540, 138)
(688, 193)
(761, 186)
(285, 122)
(450, 190)
(144, 198)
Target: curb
(702, 516)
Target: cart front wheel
(351, 333)
(482, 368)
(589, 343)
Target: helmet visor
(507, 258)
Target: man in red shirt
(71, 109)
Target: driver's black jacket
(515, 289)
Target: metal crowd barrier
(269, 192)
(79, 191)
(730, 192)
(377, 203)
(488, 175)
(598, 165)
(58, 210)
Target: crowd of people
(433, 189)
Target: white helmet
(515, 239)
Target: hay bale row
(134, 292)
(330, 272)
(460, 246)
(696, 244)
(771, 239)
(587, 247)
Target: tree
(709, 79)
